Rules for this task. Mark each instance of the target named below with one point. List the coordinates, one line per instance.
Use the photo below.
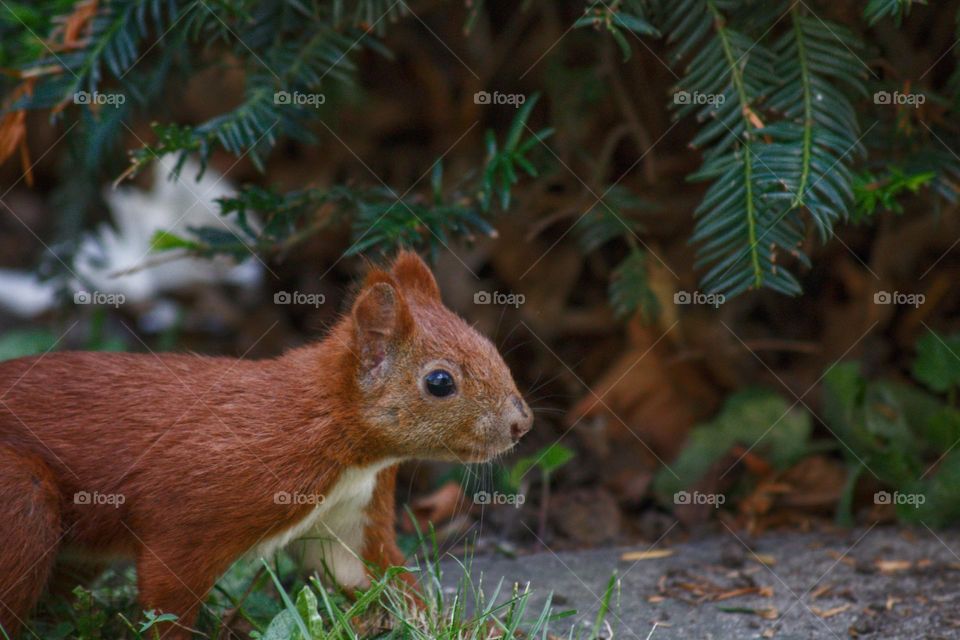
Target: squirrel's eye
(439, 383)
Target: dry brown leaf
(819, 592)
(74, 25)
(745, 591)
(630, 556)
(829, 613)
(893, 566)
(13, 130)
(439, 506)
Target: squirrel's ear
(380, 317)
(412, 273)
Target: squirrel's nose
(519, 417)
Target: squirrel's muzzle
(518, 416)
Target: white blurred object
(115, 259)
(22, 293)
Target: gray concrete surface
(868, 583)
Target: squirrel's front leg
(380, 551)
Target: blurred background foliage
(725, 229)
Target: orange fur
(199, 447)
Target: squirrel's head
(430, 385)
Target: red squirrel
(186, 463)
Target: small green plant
(548, 460)
(872, 192)
(900, 435)
(758, 420)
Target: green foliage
(19, 343)
(619, 18)
(900, 435)
(755, 419)
(893, 432)
(938, 361)
(630, 289)
(26, 342)
(547, 460)
(610, 220)
(775, 90)
(21, 24)
(873, 192)
(877, 10)
(379, 218)
(779, 133)
(501, 170)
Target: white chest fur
(330, 538)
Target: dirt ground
(879, 582)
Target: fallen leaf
(439, 506)
(829, 613)
(652, 554)
(820, 591)
(893, 566)
(766, 558)
(745, 591)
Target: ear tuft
(380, 317)
(412, 273)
